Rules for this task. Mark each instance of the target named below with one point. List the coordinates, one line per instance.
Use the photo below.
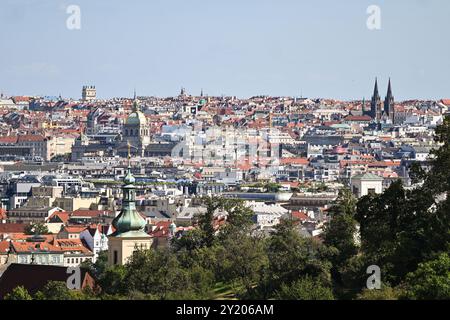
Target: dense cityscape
(108, 184)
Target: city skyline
(296, 48)
(183, 90)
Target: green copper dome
(137, 117)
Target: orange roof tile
(293, 161)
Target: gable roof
(58, 217)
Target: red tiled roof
(358, 118)
(161, 229)
(33, 246)
(21, 99)
(12, 227)
(4, 247)
(384, 164)
(63, 216)
(74, 229)
(8, 139)
(3, 215)
(293, 184)
(71, 245)
(30, 138)
(299, 215)
(22, 237)
(90, 213)
(298, 161)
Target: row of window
(135, 132)
(77, 260)
(27, 214)
(53, 259)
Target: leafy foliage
(304, 289)
(36, 229)
(431, 280)
(19, 293)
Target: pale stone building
(364, 184)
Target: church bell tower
(129, 225)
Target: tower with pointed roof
(375, 104)
(389, 103)
(129, 225)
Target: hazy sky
(317, 48)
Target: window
(115, 257)
(371, 191)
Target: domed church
(136, 131)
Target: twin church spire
(378, 109)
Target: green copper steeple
(129, 222)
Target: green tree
(98, 268)
(36, 229)
(18, 293)
(385, 293)
(241, 261)
(239, 218)
(341, 231)
(340, 235)
(57, 290)
(272, 187)
(306, 288)
(112, 280)
(401, 229)
(389, 235)
(291, 257)
(158, 272)
(431, 280)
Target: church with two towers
(381, 111)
